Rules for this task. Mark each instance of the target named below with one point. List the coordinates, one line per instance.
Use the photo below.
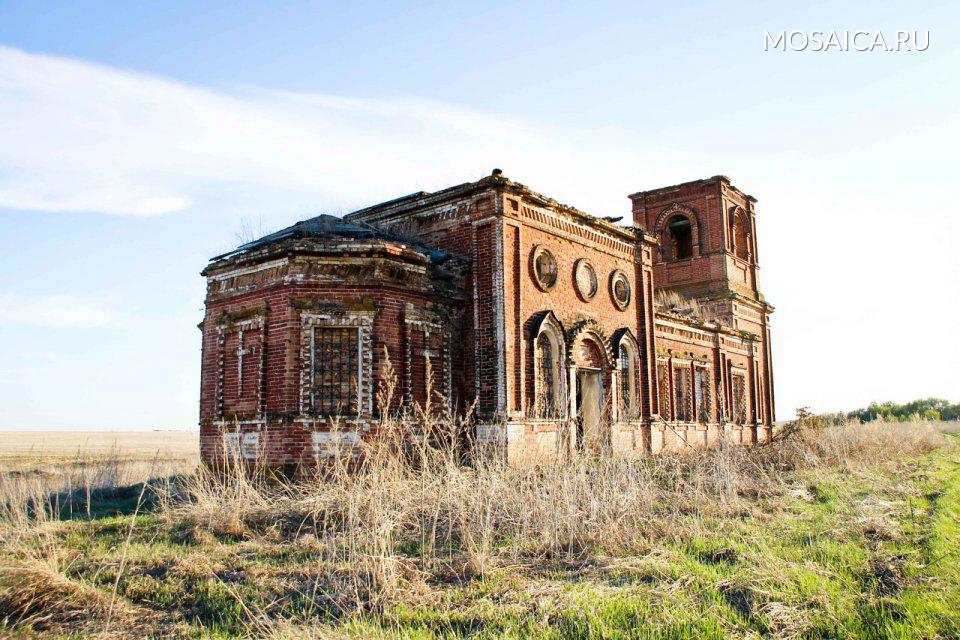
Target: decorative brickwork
(427, 340)
(241, 364)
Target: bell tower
(708, 249)
(706, 230)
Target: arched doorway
(592, 376)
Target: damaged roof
(326, 226)
(353, 226)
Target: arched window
(628, 367)
(740, 232)
(679, 238)
(548, 401)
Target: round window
(620, 289)
(544, 267)
(585, 277)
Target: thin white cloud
(57, 311)
(76, 136)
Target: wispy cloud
(76, 136)
(57, 311)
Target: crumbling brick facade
(565, 331)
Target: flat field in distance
(19, 448)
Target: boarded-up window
(336, 371)
(241, 369)
(681, 378)
(427, 372)
(701, 386)
(663, 389)
(739, 404)
(231, 370)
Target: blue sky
(134, 140)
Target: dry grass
(41, 595)
(669, 300)
(407, 522)
(34, 446)
(397, 520)
(54, 473)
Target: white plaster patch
(242, 445)
(233, 273)
(328, 444)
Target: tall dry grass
(409, 508)
(51, 489)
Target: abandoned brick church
(566, 330)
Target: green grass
(867, 555)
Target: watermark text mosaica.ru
(863, 41)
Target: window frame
(557, 343)
(619, 277)
(702, 415)
(629, 380)
(672, 247)
(356, 401)
(362, 321)
(738, 414)
(665, 398)
(583, 269)
(227, 325)
(542, 282)
(740, 236)
(683, 410)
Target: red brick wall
(710, 205)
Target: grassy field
(849, 533)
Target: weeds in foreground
(400, 514)
(407, 530)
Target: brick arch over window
(675, 212)
(741, 240)
(548, 357)
(581, 335)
